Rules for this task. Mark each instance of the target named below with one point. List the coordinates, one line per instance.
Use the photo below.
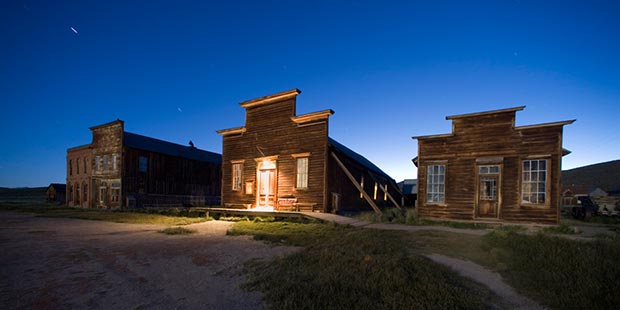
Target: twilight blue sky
(175, 70)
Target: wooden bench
(304, 206)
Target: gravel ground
(57, 263)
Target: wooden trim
(445, 135)
(359, 188)
(238, 161)
(231, 131)
(306, 154)
(271, 98)
(538, 156)
(485, 113)
(561, 123)
(489, 160)
(315, 116)
(273, 157)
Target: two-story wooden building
(123, 169)
(490, 170)
(283, 161)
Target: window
(534, 181)
(237, 176)
(114, 160)
(142, 164)
(493, 169)
(70, 167)
(97, 162)
(302, 172)
(103, 193)
(85, 161)
(85, 192)
(105, 163)
(116, 192)
(77, 166)
(436, 184)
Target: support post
(350, 176)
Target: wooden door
(266, 188)
(488, 200)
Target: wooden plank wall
(490, 136)
(271, 132)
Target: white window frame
(534, 182)
(302, 164)
(436, 184)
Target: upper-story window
(237, 176)
(302, 172)
(70, 167)
(105, 163)
(114, 162)
(142, 164)
(85, 161)
(436, 184)
(97, 162)
(534, 181)
(77, 166)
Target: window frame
(143, 163)
(302, 175)
(237, 175)
(431, 183)
(523, 182)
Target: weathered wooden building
(123, 169)
(488, 169)
(283, 161)
(56, 192)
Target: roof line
(485, 112)
(78, 147)
(560, 123)
(309, 117)
(292, 93)
(231, 131)
(444, 135)
(107, 124)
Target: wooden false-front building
(283, 161)
(489, 170)
(123, 169)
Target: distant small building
(409, 188)
(56, 192)
(489, 169)
(283, 161)
(123, 169)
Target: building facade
(487, 169)
(283, 161)
(123, 169)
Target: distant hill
(604, 175)
(22, 194)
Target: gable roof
(159, 146)
(357, 157)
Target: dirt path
(54, 263)
(490, 279)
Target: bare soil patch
(68, 263)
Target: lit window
(534, 181)
(302, 172)
(105, 163)
(237, 176)
(436, 184)
(97, 162)
(142, 163)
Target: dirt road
(49, 263)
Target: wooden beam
(350, 176)
(386, 191)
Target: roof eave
(271, 98)
(445, 135)
(231, 131)
(311, 117)
(450, 117)
(561, 123)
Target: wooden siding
(490, 137)
(270, 131)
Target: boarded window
(237, 176)
(436, 184)
(302, 172)
(143, 164)
(534, 181)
